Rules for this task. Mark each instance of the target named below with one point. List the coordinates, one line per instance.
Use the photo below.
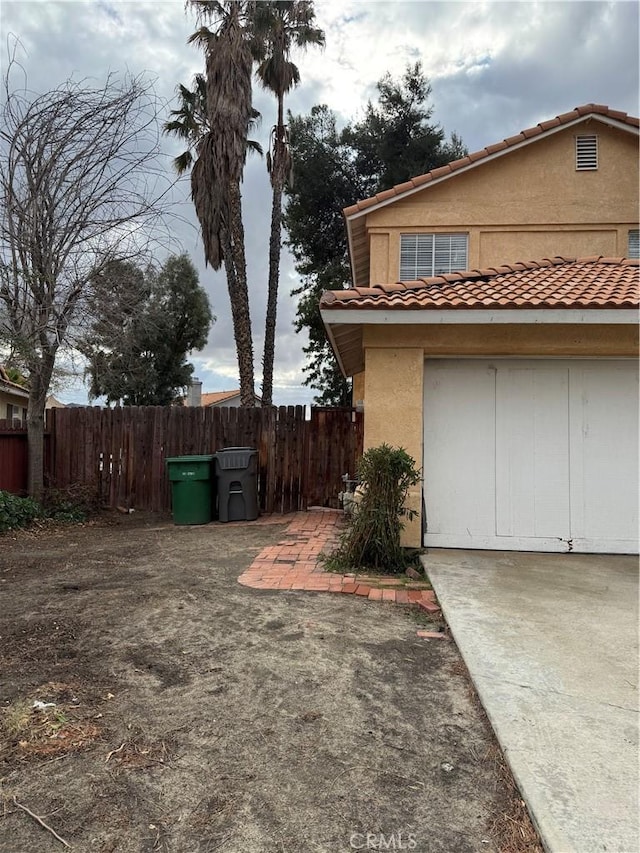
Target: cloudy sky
(495, 68)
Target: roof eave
(352, 260)
(16, 390)
(341, 315)
(334, 346)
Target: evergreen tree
(145, 325)
(396, 140)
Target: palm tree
(279, 26)
(190, 121)
(220, 157)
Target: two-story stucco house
(492, 331)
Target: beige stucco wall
(357, 391)
(394, 365)
(392, 412)
(527, 204)
(559, 340)
(380, 257)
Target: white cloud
(495, 69)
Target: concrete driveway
(551, 642)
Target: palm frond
(183, 162)
(202, 37)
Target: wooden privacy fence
(13, 456)
(122, 451)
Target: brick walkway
(293, 564)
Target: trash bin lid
(232, 458)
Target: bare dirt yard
(183, 712)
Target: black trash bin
(237, 481)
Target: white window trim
(434, 235)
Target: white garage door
(537, 455)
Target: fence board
(122, 451)
(13, 459)
(14, 456)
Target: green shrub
(371, 539)
(17, 512)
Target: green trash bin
(192, 485)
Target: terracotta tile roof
(511, 141)
(595, 282)
(213, 397)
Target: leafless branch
(82, 183)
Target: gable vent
(586, 153)
(633, 249)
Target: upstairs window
(424, 255)
(586, 153)
(633, 249)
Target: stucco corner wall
(357, 392)
(393, 414)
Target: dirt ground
(191, 714)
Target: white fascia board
(605, 316)
(489, 157)
(352, 260)
(613, 122)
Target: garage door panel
(459, 461)
(532, 452)
(604, 455)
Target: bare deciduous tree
(81, 185)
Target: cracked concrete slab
(551, 642)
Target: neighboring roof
(354, 215)
(553, 290)
(558, 282)
(214, 398)
(53, 403)
(12, 387)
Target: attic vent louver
(633, 250)
(586, 153)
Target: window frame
(436, 268)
